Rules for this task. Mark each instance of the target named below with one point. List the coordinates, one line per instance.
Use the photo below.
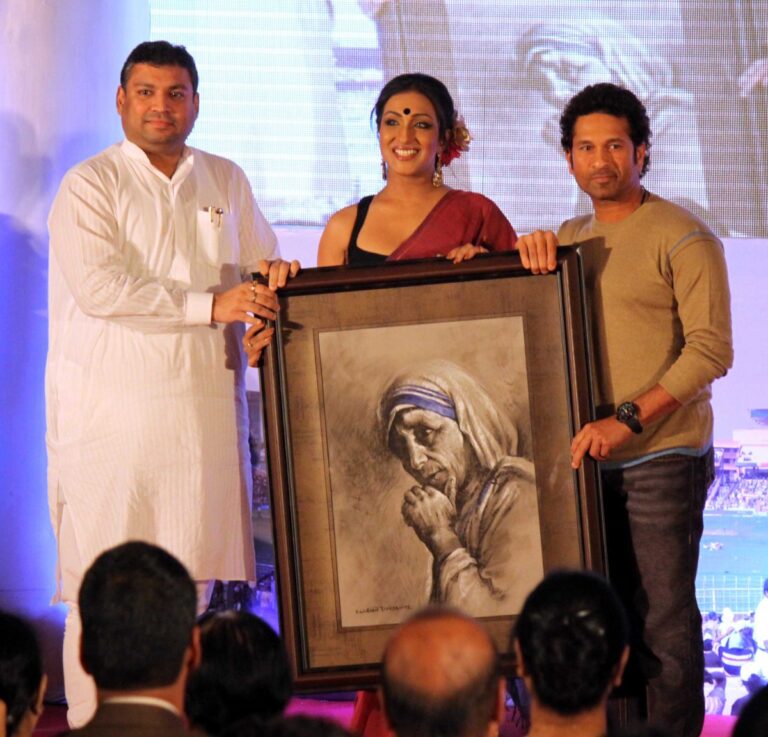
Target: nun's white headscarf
(442, 387)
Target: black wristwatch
(627, 413)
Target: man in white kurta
(150, 242)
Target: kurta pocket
(217, 238)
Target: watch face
(626, 412)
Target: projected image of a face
(560, 74)
(305, 141)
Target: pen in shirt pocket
(216, 214)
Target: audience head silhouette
(753, 720)
(22, 682)
(243, 672)
(571, 643)
(138, 606)
(441, 677)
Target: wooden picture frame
(509, 350)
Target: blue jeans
(654, 521)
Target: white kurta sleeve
(84, 241)
(257, 239)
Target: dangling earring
(384, 170)
(437, 177)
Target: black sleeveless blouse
(356, 256)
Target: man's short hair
(572, 632)
(160, 54)
(612, 100)
(415, 712)
(137, 605)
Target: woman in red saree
(416, 215)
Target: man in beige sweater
(659, 307)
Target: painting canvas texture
(391, 435)
(413, 410)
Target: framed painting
(418, 421)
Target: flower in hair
(457, 140)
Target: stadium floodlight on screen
(287, 88)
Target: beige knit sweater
(659, 307)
